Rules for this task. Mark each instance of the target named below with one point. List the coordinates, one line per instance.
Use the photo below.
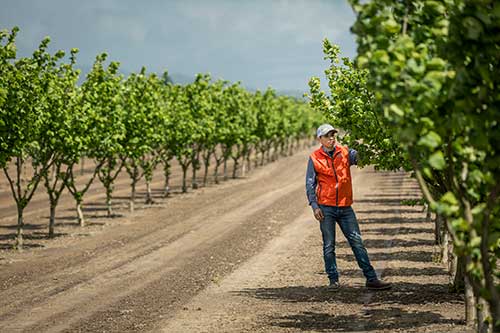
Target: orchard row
(424, 94)
(136, 123)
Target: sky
(262, 43)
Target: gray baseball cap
(324, 129)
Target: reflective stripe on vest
(333, 175)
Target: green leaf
(428, 173)
(436, 64)
(449, 198)
(474, 28)
(436, 160)
(430, 140)
(460, 224)
(381, 57)
(395, 109)
(475, 241)
(391, 26)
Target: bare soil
(241, 256)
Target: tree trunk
(493, 306)
(20, 225)
(149, 194)
(244, 164)
(249, 162)
(194, 183)
(457, 273)
(184, 178)
(132, 195)
(235, 167)
(283, 150)
(483, 312)
(256, 160)
(218, 162)
(445, 248)
(470, 304)
(52, 218)
(428, 215)
(216, 170)
(107, 178)
(276, 152)
(54, 192)
(225, 168)
(438, 229)
(133, 172)
(216, 173)
(206, 162)
(109, 193)
(205, 174)
(195, 164)
(166, 173)
(148, 166)
(20, 198)
(78, 195)
(79, 212)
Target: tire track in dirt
(200, 316)
(146, 232)
(225, 307)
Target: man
(329, 191)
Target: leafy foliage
(137, 122)
(425, 85)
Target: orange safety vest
(333, 175)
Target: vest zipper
(336, 180)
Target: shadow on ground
(393, 317)
(383, 211)
(398, 231)
(396, 242)
(376, 319)
(415, 256)
(399, 271)
(390, 220)
(7, 241)
(402, 293)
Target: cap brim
(332, 130)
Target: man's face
(328, 140)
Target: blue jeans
(346, 219)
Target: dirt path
(282, 288)
(241, 256)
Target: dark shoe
(378, 285)
(334, 285)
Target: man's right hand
(318, 214)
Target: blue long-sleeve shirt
(311, 180)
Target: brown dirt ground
(242, 256)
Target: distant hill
(182, 79)
(177, 78)
(292, 93)
(287, 92)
